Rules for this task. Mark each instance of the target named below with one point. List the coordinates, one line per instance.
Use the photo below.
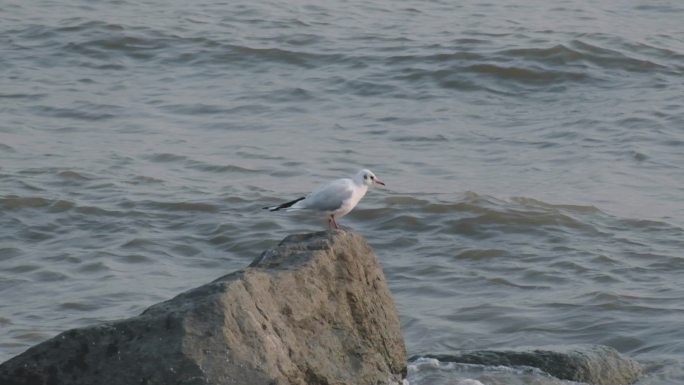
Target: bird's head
(366, 177)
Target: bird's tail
(284, 205)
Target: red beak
(378, 181)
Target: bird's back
(329, 197)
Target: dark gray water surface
(533, 154)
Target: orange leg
(332, 223)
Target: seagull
(334, 199)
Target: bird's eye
(372, 177)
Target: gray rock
(315, 310)
(593, 364)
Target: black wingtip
(284, 205)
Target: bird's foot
(334, 226)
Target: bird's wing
(329, 197)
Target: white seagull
(335, 199)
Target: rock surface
(314, 310)
(592, 364)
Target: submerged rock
(593, 364)
(314, 310)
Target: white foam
(423, 371)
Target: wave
(427, 370)
(481, 64)
(180, 206)
(582, 54)
(199, 165)
(15, 202)
(476, 213)
(81, 111)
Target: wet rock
(315, 310)
(593, 364)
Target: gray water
(533, 153)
